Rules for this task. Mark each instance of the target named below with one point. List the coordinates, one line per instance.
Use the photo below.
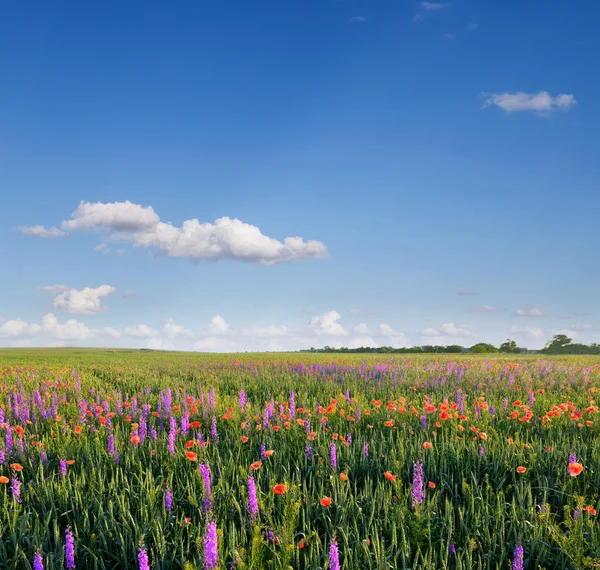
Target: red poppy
(279, 489)
(325, 501)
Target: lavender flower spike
(211, 551)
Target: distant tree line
(560, 344)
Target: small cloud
(141, 331)
(358, 19)
(532, 312)
(327, 324)
(42, 232)
(102, 248)
(472, 27)
(450, 37)
(361, 328)
(434, 6)
(86, 301)
(466, 292)
(447, 330)
(541, 103)
(218, 326)
(483, 309)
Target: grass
(476, 511)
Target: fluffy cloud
(327, 324)
(361, 328)
(447, 330)
(225, 238)
(541, 103)
(218, 326)
(393, 337)
(140, 331)
(80, 302)
(17, 328)
(173, 330)
(70, 330)
(363, 341)
(42, 232)
(531, 312)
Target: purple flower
(423, 422)
(531, 399)
(452, 549)
(575, 514)
(572, 458)
(38, 561)
(418, 494)
(333, 455)
(63, 468)
(205, 472)
(213, 428)
(504, 403)
(172, 434)
(334, 556)
(69, 549)
(143, 559)
(481, 452)
(15, 486)
(211, 551)
(252, 500)
(366, 450)
(263, 452)
(518, 558)
(308, 452)
(168, 502)
(292, 405)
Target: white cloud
(103, 248)
(327, 324)
(434, 6)
(70, 330)
(362, 341)
(42, 232)
(115, 216)
(110, 332)
(140, 331)
(531, 333)
(541, 103)
(484, 309)
(394, 338)
(173, 330)
(53, 288)
(18, 328)
(357, 19)
(218, 326)
(447, 330)
(80, 302)
(225, 238)
(361, 328)
(530, 312)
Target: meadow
(128, 459)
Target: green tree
(510, 346)
(559, 343)
(483, 347)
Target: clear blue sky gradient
(358, 123)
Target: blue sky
(153, 161)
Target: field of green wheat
(128, 459)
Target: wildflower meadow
(151, 460)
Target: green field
(143, 451)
